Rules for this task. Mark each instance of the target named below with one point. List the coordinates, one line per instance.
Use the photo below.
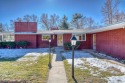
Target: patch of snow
(103, 65)
(31, 56)
(95, 62)
(116, 79)
(106, 56)
(77, 54)
(13, 53)
(77, 62)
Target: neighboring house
(110, 39)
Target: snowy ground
(13, 53)
(82, 57)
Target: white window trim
(81, 36)
(9, 36)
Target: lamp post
(73, 43)
(49, 51)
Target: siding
(111, 42)
(84, 45)
(25, 27)
(88, 43)
(45, 44)
(29, 38)
(66, 37)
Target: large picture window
(8, 37)
(45, 37)
(80, 37)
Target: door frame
(57, 40)
(94, 41)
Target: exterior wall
(25, 27)
(45, 44)
(29, 38)
(66, 38)
(88, 43)
(111, 42)
(84, 45)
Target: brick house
(110, 39)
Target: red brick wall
(111, 42)
(45, 44)
(88, 43)
(84, 45)
(29, 38)
(25, 27)
(66, 37)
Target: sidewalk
(57, 72)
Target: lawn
(90, 69)
(32, 68)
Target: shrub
(0, 45)
(11, 44)
(3, 44)
(67, 45)
(23, 44)
(7, 44)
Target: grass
(90, 74)
(24, 71)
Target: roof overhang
(76, 31)
(107, 28)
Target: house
(109, 39)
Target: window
(0, 38)
(80, 37)
(8, 38)
(45, 37)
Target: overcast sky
(11, 9)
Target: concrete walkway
(57, 72)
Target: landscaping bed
(90, 69)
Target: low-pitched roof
(75, 31)
(107, 28)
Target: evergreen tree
(64, 24)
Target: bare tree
(90, 22)
(19, 19)
(1, 27)
(34, 18)
(54, 20)
(45, 21)
(109, 10)
(27, 18)
(12, 25)
(119, 16)
(78, 21)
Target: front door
(94, 41)
(60, 40)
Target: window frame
(49, 36)
(10, 38)
(78, 35)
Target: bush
(23, 44)
(67, 45)
(11, 44)
(0, 45)
(7, 44)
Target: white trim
(57, 40)
(81, 37)
(94, 43)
